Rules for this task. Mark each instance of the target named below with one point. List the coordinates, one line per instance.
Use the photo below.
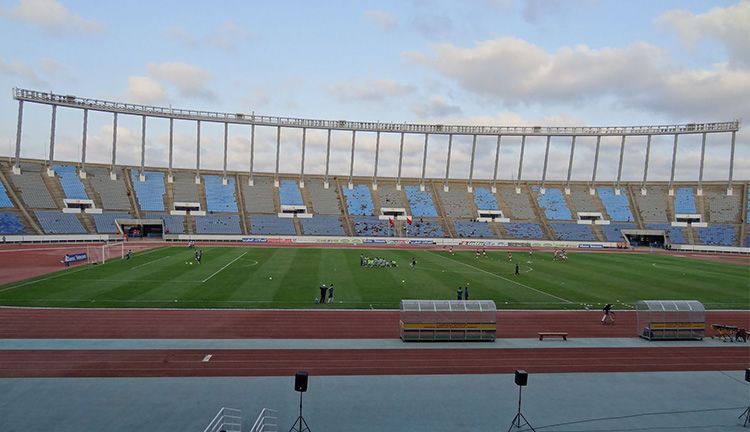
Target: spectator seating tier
(485, 199)
(10, 223)
(324, 225)
(684, 201)
(4, 198)
(55, 222)
(271, 225)
(455, 202)
(259, 198)
(34, 193)
(105, 222)
(675, 234)
(472, 229)
(289, 193)
(150, 192)
(520, 204)
(617, 206)
(612, 231)
(70, 182)
(425, 228)
(572, 231)
(218, 224)
(717, 235)
(389, 196)
(185, 189)
(359, 200)
(524, 230)
(420, 202)
(220, 197)
(371, 226)
(324, 201)
(582, 200)
(653, 205)
(553, 203)
(113, 193)
(721, 208)
(173, 224)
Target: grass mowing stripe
(151, 262)
(219, 270)
(503, 278)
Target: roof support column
(226, 147)
(251, 180)
(302, 164)
(570, 164)
(520, 164)
(50, 171)
(731, 164)
(112, 174)
(82, 172)
(700, 173)
(170, 178)
(278, 150)
(375, 171)
(497, 162)
(351, 159)
(470, 186)
(619, 166)
(448, 162)
(674, 162)
(400, 161)
(19, 127)
(328, 159)
(143, 147)
(424, 161)
(645, 165)
(198, 153)
(546, 159)
(596, 162)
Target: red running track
(296, 324)
(183, 363)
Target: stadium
(188, 268)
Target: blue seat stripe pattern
(358, 200)
(485, 199)
(105, 222)
(55, 222)
(322, 225)
(612, 231)
(617, 206)
(289, 193)
(70, 182)
(218, 224)
(717, 235)
(272, 225)
(553, 203)
(150, 193)
(4, 199)
(220, 197)
(420, 202)
(676, 234)
(684, 201)
(523, 230)
(472, 229)
(572, 231)
(371, 227)
(10, 223)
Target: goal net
(100, 254)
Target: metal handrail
(346, 125)
(219, 422)
(260, 423)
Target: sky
(478, 62)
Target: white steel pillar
(400, 160)
(470, 186)
(351, 159)
(731, 164)
(596, 162)
(424, 162)
(328, 159)
(112, 174)
(497, 163)
(700, 173)
(375, 171)
(645, 165)
(82, 172)
(170, 178)
(520, 164)
(226, 148)
(143, 148)
(50, 171)
(674, 162)
(546, 159)
(278, 150)
(619, 166)
(570, 164)
(198, 153)
(251, 180)
(448, 162)
(302, 164)
(19, 126)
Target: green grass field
(289, 278)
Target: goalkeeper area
(264, 277)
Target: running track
(226, 324)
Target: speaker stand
(300, 425)
(519, 416)
(745, 413)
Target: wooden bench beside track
(563, 335)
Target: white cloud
(382, 19)
(639, 76)
(368, 90)
(729, 26)
(51, 16)
(21, 70)
(190, 80)
(52, 67)
(227, 36)
(145, 90)
(435, 106)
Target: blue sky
(498, 62)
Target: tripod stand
(300, 425)
(745, 413)
(517, 419)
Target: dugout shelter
(670, 319)
(448, 320)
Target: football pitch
(236, 277)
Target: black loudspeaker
(747, 374)
(300, 381)
(522, 378)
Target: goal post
(100, 254)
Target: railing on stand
(267, 421)
(226, 420)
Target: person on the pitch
(330, 294)
(323, 290)
(466, 292)
(459, 294)
(608, 314)
(517, 270)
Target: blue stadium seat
(289, 193)
(322, 225)
(4, 199)
(70, 182)
(675, 234)
(747, 216)
(215, 224)
(359, 200)
(10, 223)
(55, 222)
(425, 228)
(572, 231)
(485, 199)
(472, 229)
(553, 203)
(173, 224)
(272, 225)
(617, 206)
(105, 222)
(420, 202)
(717, 235)
(371, 227)
(150, 193)
(220, 197)
(684, 201)
(612, 231)
(523, 230)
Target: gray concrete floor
(692, 401)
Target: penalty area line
(219, 270)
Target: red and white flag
(390, 221)
(408, 220)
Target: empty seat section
(613, 231)
(617, 206)
(717, 235)
(322, 225)
(675, 234)
(684, 201)
(420, 202)
(523, 230)
(215, 224)
(722, 208)
(4, 199)
(455, 202)
(425, 228)
(359, 200)
(371, 227)
(485, 199)
(273, 225)
(572, 231)
(10, 223)
(185, 188)
(472, 229)
(150, 192)
(389, 196)
(553, 203)
(324, 201)
(54, 222)
(220, 197)
(259, 198)
(70, 182)
(34, 192)
(113, 193)
(747, 216)
(582, 200)
(519, 203)
(173, 224)
(653, 205)
(105, 222)
(289, 193)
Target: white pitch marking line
(505, 279)
(219, 270)
(207, 358)
(151, 262)
(48, 278)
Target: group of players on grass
(376, 262)
(323, 290)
